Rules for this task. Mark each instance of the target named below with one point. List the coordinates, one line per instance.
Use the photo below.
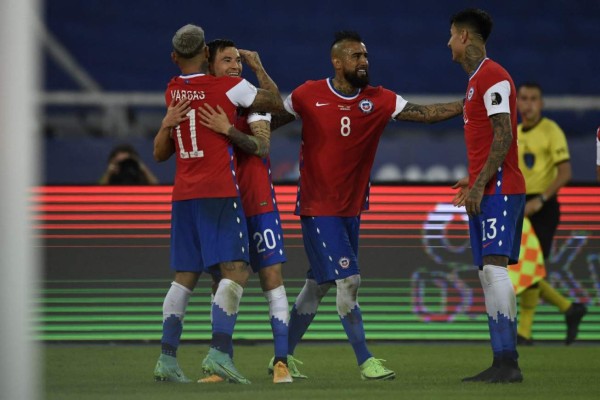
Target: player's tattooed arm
(252, 59)
(430, 113)
(281, 118)
(498, 151)
(266, 101)
(164, 147)
(217, 121)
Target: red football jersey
(491, 91)
(254, 176)
(340, 135)
(205, 162)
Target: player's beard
(355, 80)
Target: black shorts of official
(545, 222)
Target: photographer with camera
(126, 168)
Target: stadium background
(106, 250)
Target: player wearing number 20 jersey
(258, 199)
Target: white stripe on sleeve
(242, 94)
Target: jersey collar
(343, 96)
(192, 75)
(478, 67)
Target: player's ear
(337, 63)
(174, 57)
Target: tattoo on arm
(265, 82)
(499, 149)
(262, 134)
(430, 113)
(265, 101)
(281, 118)
(258, 144)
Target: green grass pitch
(424, 371)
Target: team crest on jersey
(471, 91)
(496, 99)
(365, 106)
(344, 262)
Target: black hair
(214, 46)
(532, 85)
(340, 36)
(123, 148)
(476, 19)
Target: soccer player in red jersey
(208, 227)
(494, 192)
(342, 120)
(251, 135)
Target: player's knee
(187, 279)
(236, 271)
(270, 277)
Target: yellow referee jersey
(541, 148)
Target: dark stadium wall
(125, 45)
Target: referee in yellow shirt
(544, 162)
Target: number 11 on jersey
(195, 153)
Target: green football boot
(218, 363)
(167, 370)
(373, 369)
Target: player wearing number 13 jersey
(208, 227)
(494, 193)
(343, 119)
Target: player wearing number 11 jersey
(208, 227)
(342, 120)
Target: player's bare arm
(430, 113)
(498, 151)
(217, 121)
(281, 118)
(164, 146)
(252, 60)
(266, 101)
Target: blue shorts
(206, 232)
(331, 244)
(266, 240)
(497, 230)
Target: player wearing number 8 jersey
(494, 192)
(342, 120)
(208, 227)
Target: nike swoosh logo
(487, 244)
(321, 104)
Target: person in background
(545, 163)
(126, 168)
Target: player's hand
(463, 190)
(214, 119)
(251, 59)
(532, 206)
(473, 201)
(176, 113)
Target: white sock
(278, 304)
(228, 296)
(347, 294)
(310, 296)
(176, 301)
(498, 291)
